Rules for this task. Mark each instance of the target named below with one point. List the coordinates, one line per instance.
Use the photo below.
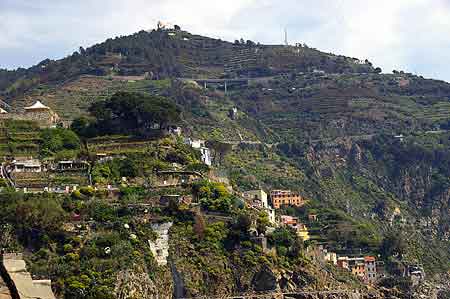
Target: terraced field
(72, 99)
(50, 179)
(113, 145)
(19, 139)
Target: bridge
(225, 82)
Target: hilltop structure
(43, 115)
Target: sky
(409, 35)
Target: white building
(200, 144)
(257, 197)
(31, 165)
(195, 143)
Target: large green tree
(130, 113)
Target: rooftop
(37, 105)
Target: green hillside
(368, 151)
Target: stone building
(43, 115)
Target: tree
(58, 139)
(133, 113)
(82, 126)
(262, 222)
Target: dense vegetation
(130, 114)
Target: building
(342, 262)
(286, 197)
(289, 220)
(44, 116)
(300, 228)
(365, 268)
(206, 156)
(72, 165)
(370, 268)
(302, 232)
(27, 165)
(175, 130)
(312, 217)
(257, 198)
(201, 145)
(380, 268)
(195, 143)
(330, 257)
(358, 269)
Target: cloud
(411, 35)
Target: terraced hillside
(19, 138)
(72, 98)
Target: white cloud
(403, 34)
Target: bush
(58, 139)
(213, 196)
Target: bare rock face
(137, 284)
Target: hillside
(369, 151)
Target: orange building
(359, 270)
(286, 197)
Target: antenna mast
(286, 37)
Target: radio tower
(286, 37)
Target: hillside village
(31, 175)
(222, 169)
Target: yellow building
(302, 232)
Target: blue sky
(410, 35)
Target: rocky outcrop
(264, 280)
(160, 246)
(136, 284)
